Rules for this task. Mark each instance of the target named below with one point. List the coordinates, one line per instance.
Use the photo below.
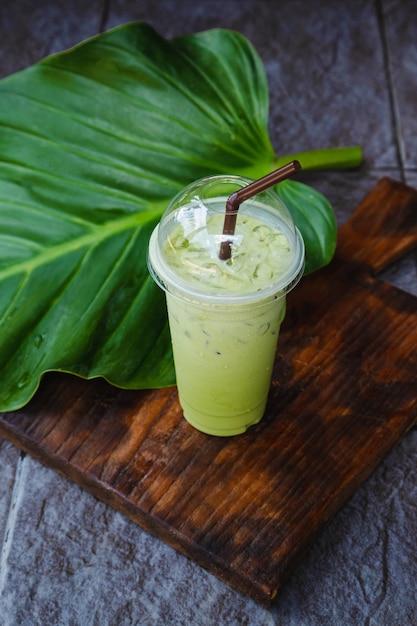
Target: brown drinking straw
(237, 197)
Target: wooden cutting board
(247, 508)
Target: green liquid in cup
(224, 354)
(224, 361)
(225, 315)
(261, 255)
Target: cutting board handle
(383, 227)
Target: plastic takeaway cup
(225, 316)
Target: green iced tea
(223, 364)
(225, 315)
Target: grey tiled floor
(340, 73)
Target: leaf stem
(325, 158)
(321, 159)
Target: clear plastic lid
(267, 250)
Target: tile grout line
(104, 16)
(396, 126)
(17, 494)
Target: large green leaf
(93, 144)
(304, 203)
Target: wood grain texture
(247, 508)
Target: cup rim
(170, 282)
